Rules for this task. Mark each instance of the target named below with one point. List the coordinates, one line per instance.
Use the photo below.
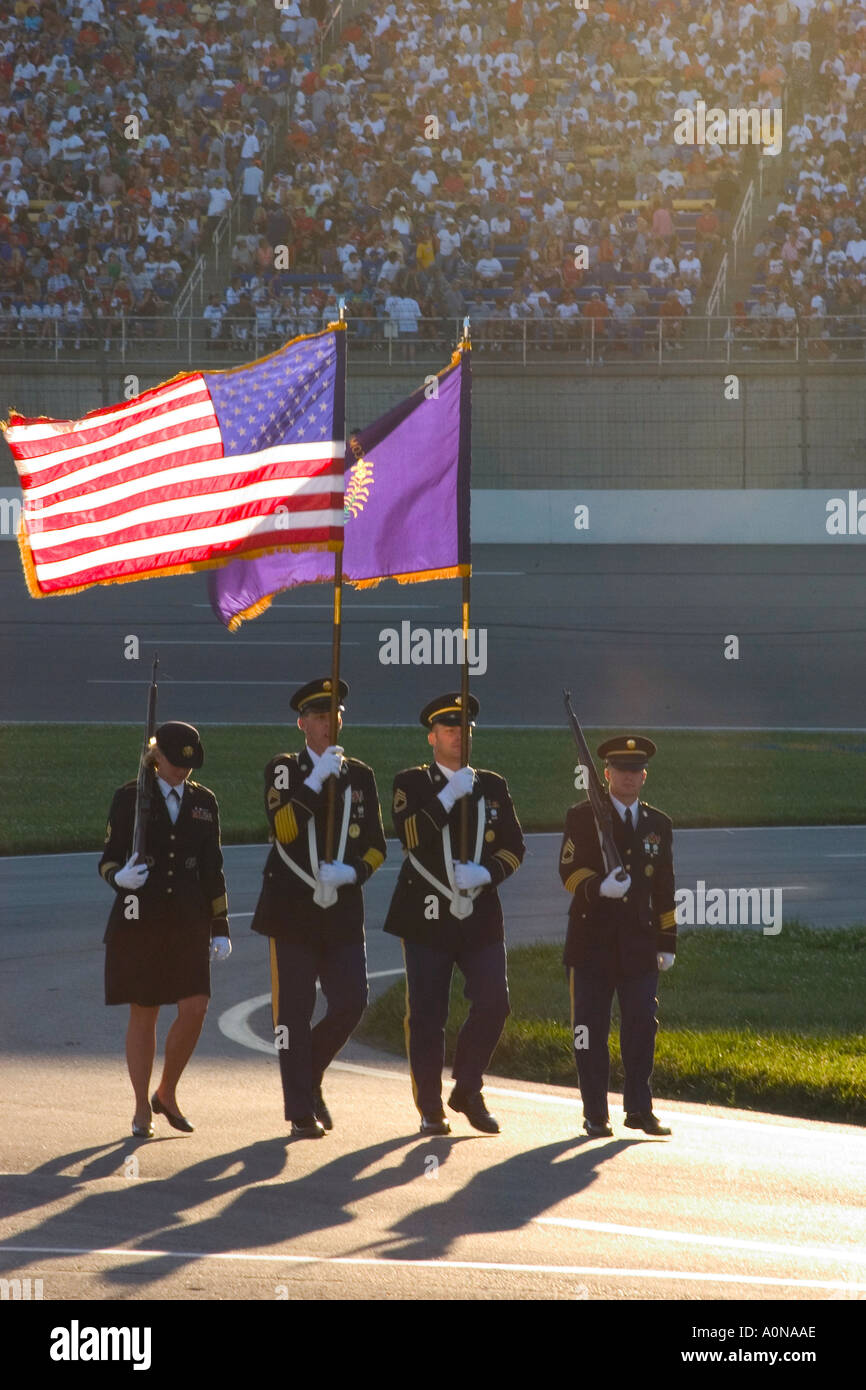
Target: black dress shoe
(321, 1111)
(598, 1129)
(142, 1131)
(307, 1127)
(648, 1123)
(435, 1124)
(176, 1121)
(475, 1110)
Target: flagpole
(465, 345)
(335, 664)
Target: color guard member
(314, 911)
(620, 935)
(169, 918)
(448, 913)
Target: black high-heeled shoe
(142, 1131)
(176, 1121)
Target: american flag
(204, 468)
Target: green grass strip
(56, 781)
(755, 1022)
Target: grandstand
(216, 174)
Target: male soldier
(168, 920)
(314, 911)
(448, 913)
(620, 935)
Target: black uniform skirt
(158, 964)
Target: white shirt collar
(314, 757)
(165, 788)
(447, 772)
(621, 809)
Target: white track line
(602, 1272)
(822, 1252)
(234, 1022)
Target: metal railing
(743, 221)
(720, 288)
(194, 288)
(643, 342)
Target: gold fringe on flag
(36, 592)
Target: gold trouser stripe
(219, 906)
(373, 857)
(507, 858)
(406, 1030)
(410, 830)
(105, 870)
(668, 920)
(275, 984)
(574, 880)
(286, 825)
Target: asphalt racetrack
(639, 634)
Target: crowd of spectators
(809, 262)
(126, 129)
(440, 160)
(453, 160)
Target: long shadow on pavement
(144, 1215)
(503, 1197)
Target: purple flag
(406, 505)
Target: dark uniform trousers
(434, 941)
(295, 968)
(611, 949)
(308, 942)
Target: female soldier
(170, 916)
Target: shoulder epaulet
(654, 810)
(282, 758)
(198, 787)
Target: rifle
(598, 798)
(144, 789)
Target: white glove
(611, 887)
(132, 875)
(665, 959)
(330, 764)
(470, 875)
(461, 784)
(220, 948)
(337, 875)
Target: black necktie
(173, 805)
(627, 820)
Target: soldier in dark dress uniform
(620, 935)
(314, 911)
(169, 917)
(449, 914)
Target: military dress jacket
(419, 911)
(285, 908)
(619, 935)
(185, 887)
